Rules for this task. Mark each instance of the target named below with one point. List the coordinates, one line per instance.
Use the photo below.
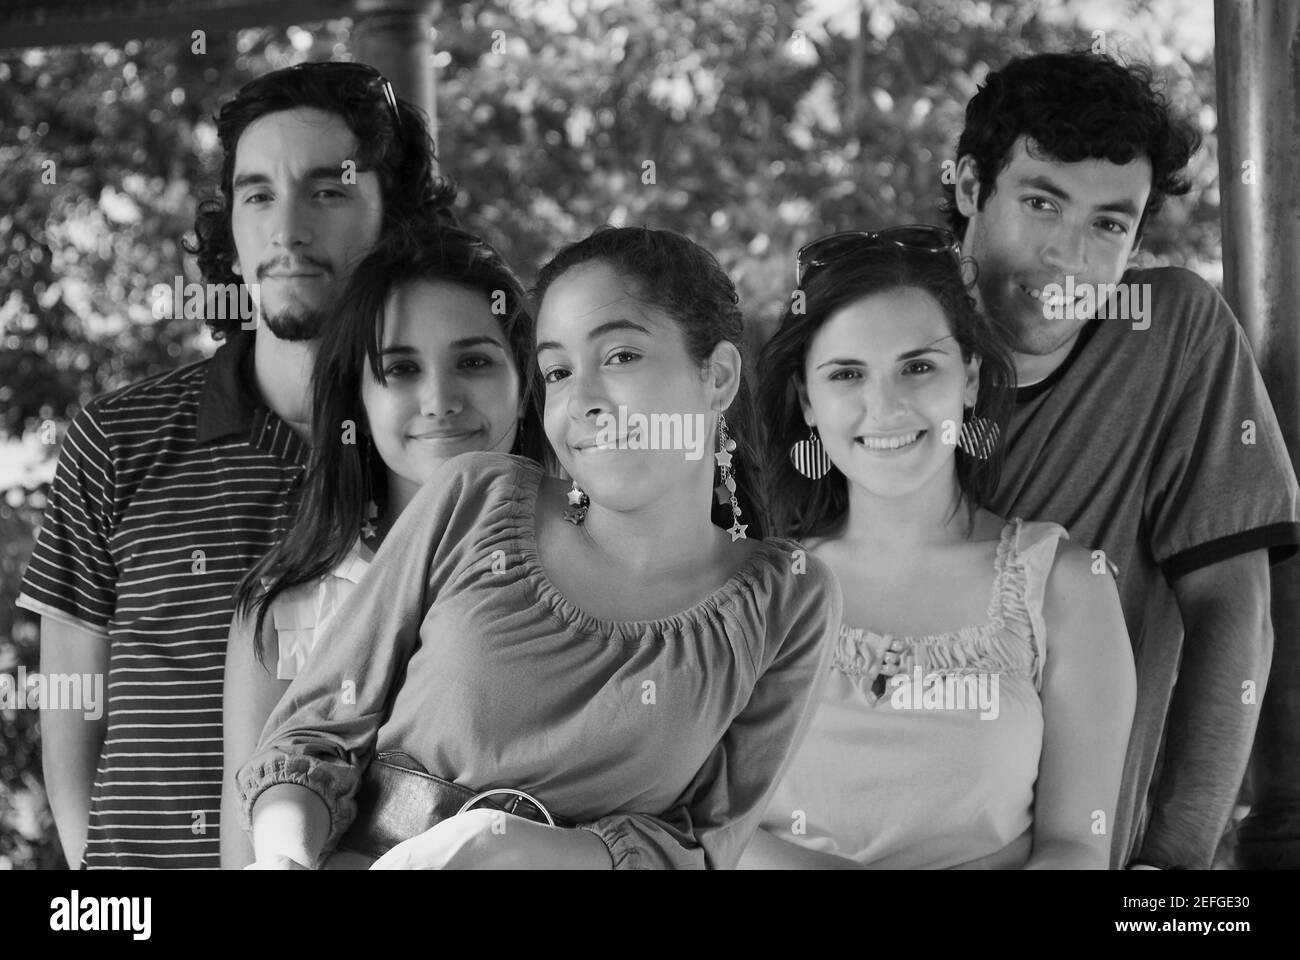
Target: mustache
(288, 264)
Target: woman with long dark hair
(427, 356)
(596, 650)
(981, 686)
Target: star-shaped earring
(578, 503)
(737, 531)
(368, 530)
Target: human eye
(918, 366)
(400, 369)
(845, 374)
(476, 362)
(1113, 227)
(554, 375)
(622, 357)
(256, 197)
(1039, 204)
(330, 193)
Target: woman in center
(639, 672)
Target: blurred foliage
(766, 124)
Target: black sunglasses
(342, 68)
(836, 246)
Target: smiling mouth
(618, 443)
(444, 436)
(901, 441)
(1053, 303)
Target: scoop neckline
(993, 619)
(527, 540)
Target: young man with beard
(1142, 424)
(168, 490)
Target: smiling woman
(425, 357)
(642, 674)
(982, 679)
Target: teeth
(1049, 301)
(889, 443)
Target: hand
(466, 841)
(276, 862)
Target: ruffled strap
(1024, 562)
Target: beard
(294, 323)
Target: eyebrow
(598, 331)
(905, 355)
(315, 173)
(462, 344)
(1047, 185)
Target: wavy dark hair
(802, 507)
(343, 478)
(672, 272)
(401, 154)
(1075, 106)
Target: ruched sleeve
(323, 733)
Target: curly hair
(401, 153)
(802, 507)
(1075, 106)
(677, 275)
(343, 478)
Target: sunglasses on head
(363, 71)
(836, 246)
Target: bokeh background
(768, 123)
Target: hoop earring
(726, 490)
(809, 456)
(576, 512)
(978, 437)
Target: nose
(292, 225)
(441, 396)
(883, 400)
(586, 398)
(1066, 250)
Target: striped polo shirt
(166, 492)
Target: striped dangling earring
(809, 456)
(978, 436)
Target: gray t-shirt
(1160, 447)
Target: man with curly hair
(1141, 423)
(168, 490)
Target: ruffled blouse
(663, 737)
(937, 769)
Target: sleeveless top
(938, 770)
(300, 611)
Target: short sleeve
(323, 733)
(1222, 483)
(71, 576)
(717, 814)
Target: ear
(968, 186)
(801, 390)
(971, 392)
(723, 375)
(235, 268)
